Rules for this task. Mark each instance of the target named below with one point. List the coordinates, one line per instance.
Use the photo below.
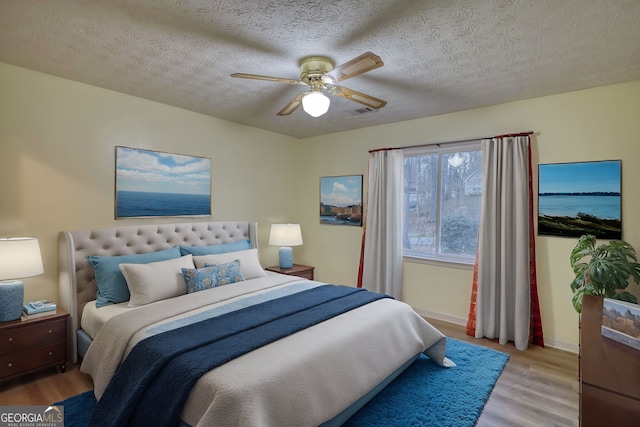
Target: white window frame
(465, 262)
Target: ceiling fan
(319, 73)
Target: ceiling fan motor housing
(312, 69)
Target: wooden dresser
(609, 374)
(33, 344)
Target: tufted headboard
(77, 283)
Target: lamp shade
(315, 103)
(20, 257)
(285, 235)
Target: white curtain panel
(503, 298)
(382, 265)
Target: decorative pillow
(211, 276)
(249, 263)
(156, 281)
(112, 287)
(216, 249)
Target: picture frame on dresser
(621, 322)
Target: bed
(330, 364)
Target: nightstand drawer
(302, 271)
(25, 337)
(36, 358)
(308, 274)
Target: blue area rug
(423, 395)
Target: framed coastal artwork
(156, 184)
(621, 322)
(341, 200)
(580, 198)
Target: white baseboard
(562, 345)
(456, 320)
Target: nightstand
(304, 271)
(27, 345)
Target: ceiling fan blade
(359, 65)
(291, 107)
(359, 97)
(271, 79)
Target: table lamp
(285, 236)
(19, 257)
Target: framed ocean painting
(580, 198)
(155, 184)
(341, 200)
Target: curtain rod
(508, 135)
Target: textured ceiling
(440, 56)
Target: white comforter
(302, 380)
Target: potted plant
(603, 270)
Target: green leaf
(577, 283)
(580, 268)
(584, 247)
(577, 300)
(625, 296)
(635, 272)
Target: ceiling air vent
(363, 110)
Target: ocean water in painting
(338, 220)
(600, 206)
(139, 203)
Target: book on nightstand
(26, 316)
(39, 308)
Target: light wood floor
(539, 387)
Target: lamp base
(11, 300)
(286, 257)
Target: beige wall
(57, 141)
(57, 161)
(596, 124)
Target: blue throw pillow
(112, 287)
(216, 249)
(212, 276)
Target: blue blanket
(153, 383)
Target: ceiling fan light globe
(315, 104)
(456, 160)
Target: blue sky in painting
(587, 177)
(157, 172)
(341, 190)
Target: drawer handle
(49, 330)
(51, 353)
(10, 339)
(10, 365)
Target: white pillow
(156, 281)
(249, 263)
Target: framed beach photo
(155, 184)
(341, 200)
(580, 198)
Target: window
(442, 196)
